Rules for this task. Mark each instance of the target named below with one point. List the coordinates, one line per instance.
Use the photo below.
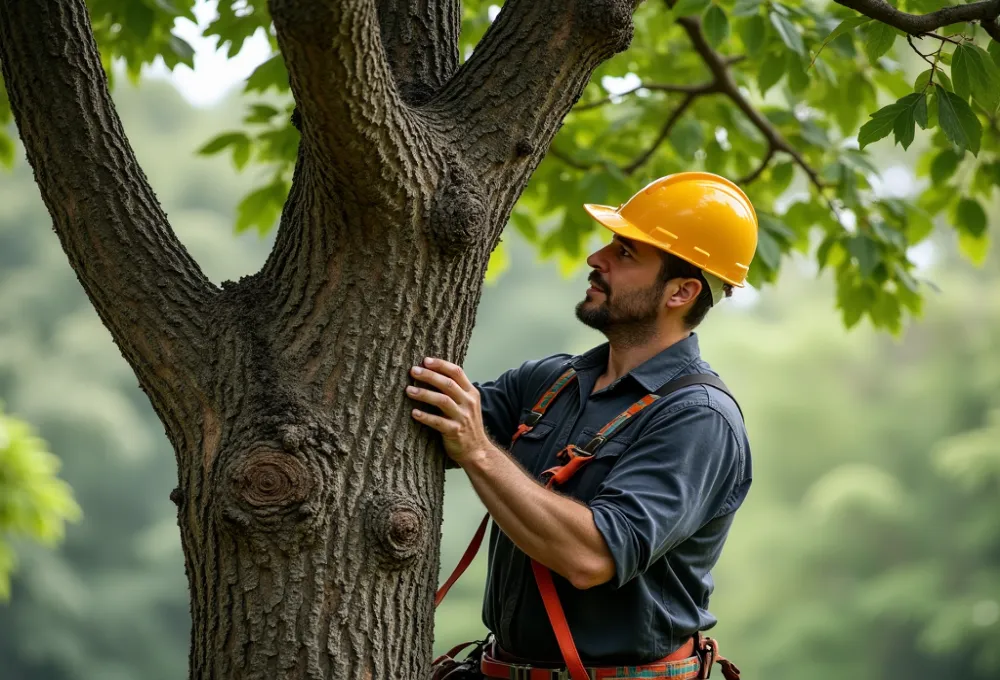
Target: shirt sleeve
(503, 399)
(684, 470)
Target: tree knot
(269, 480)
(458, 214)
(397, 529)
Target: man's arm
(555, 530)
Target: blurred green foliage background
(869, 547)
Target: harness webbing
(575, 457)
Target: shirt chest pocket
(585, 483)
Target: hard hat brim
(610, 218)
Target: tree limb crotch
(351, 114)
(506, 103)
(420, 38)
(146, 288)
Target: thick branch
(351, 113)
(986, 12)
(507, 102)
(147, 289)
(420, 38)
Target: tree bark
(309, 502)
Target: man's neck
(622, 359)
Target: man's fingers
(451, 370)
(442, 401)
(440, 381)
(442, 425)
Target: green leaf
(923, 80)
(687, 138)
(944, 165)
(261, 207)
(771, 70)
(716, 25)
(970, 218)
(746, 8)
(271, 73)
(994, 51)
(753, 33)
(687, 7)
(798, 79)
(224, 140)
(781, 176)
(768, 249)
(974, 73)
(878, 38)
(843, 27)
(974, 247)
(260, 113)
(898, 118)
(959, 122)
(865, 252)
(789, 34)
(184, 51)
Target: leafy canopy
(810, 94)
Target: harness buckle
(594, 444)
(532, 418)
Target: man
(633, 530)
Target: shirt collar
(656, 371)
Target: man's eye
(624, 252)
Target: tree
(308, 504)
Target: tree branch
(507, 101)
(146, 288)
(420, 38)
(641, 159)
(351, 112)
(725, 83)
(985, 12)
(765, 161)
(653, 87)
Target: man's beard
(626, 319)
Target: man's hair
(673, 267)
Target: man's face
(626, 295)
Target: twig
(925, 57)
(664, 132)
(752, 177)
(656, 87)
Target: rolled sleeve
(682, 471)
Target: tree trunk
(309, 502)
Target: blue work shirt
(663, 492)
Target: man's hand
(461, 422)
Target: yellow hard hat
(700, 217)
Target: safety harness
(692, 660)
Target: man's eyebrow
(627, 242)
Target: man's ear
(681, 292)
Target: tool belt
(693, 660)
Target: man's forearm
(553, 529)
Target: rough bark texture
(309, 503)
